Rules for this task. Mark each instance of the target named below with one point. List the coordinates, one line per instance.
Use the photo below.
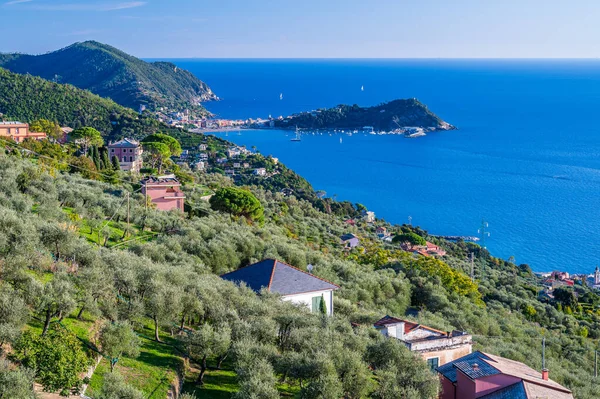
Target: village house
(429, 249)
(349, 240)
(351, 222)
(368, 216)
(198, 165)
(246, 165)
(202, 147)
(164, 192)
(260, 172)
(128, 152)
(233, 152)
(381, 231)
(18, 132)
(229, 172)
(203, 156)
(434, 346)
(221, 160)
(237, 165)
(486, 376)
(65, 131)
(293, 284)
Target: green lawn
(152, 371)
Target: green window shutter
(316, 303)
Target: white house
(291, 283)
(260, 172)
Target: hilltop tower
(597, 276)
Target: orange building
(19, 131)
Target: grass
(152, 371)
(113, 229)
(222, 384)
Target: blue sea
(526, 157)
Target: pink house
(486, 376)
(128, 152)
(164, 192)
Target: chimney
(545, 374)
(475, 367)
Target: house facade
(349, 241)
(486, 376)
(434, 346)
(128, 152)
(164, 192)
(293, 284)
(260, 171)
(18, 132)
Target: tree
(171, 142)
(118, 339)
(163, 303)
(13, 315)
(57, 359)
(205, 342)
(156, 154)
(239, 202)
(566, 296)
(52, 129)
(116, 165)
(115, 387)
(87, 137)
(15, 382)
(54, 299)
(323, 306)
(411, 238)
(83, 165)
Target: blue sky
(309, 28)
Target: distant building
(203, 156)
(237, 165)
(597, 276)
(349, 240)
(293, 284)
(65, 131)
(246, 165)
(229, 172)
(368, 216)
(164, 192)
(198, 165)
(18, 132)
(260, 172)
(486, 376)
(202, 147)
(233, 152)
(434, 346)
(128, 152)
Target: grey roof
(278, 277)
(514, 391)
(465, 364)
(347, 237)
(125, 143)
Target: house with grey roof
(128, 152)
(349, 240)
(482, 375)
(291, 283)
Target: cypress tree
(105, 160)
(96, 158)
(115, 163)
(323, 306)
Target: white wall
(306, 299)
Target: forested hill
(109, 72)
(386, 116)
(27, 98)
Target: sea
(525, 159)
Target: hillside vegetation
(387, 116)
(111, 73)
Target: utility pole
(595, 364)
(128, 212)
(483, 233)
(410, 220)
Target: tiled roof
(487, 364)
(160, 180)
(449, 371)
(514, 391)
(278, 277)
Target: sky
(308, 28)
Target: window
(433, 363)
(130, 159)
(316, 303)
(112, 150)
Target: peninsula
(406, 116)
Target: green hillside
(109, 72)
(386, 116)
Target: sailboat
(340, 140)
(362, 88)
(297, 138)
(281, 96)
